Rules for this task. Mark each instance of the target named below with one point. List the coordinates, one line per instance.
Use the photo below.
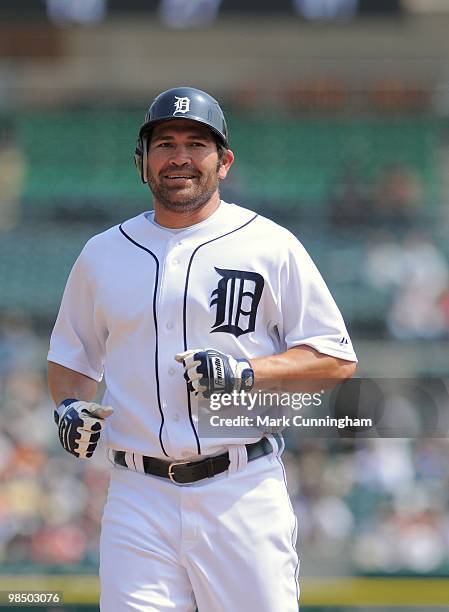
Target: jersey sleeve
(310, 315)
(77, 341)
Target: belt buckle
(171, 474)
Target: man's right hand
(79, 425)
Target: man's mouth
(177, 177)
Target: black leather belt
(185, 472)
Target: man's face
(183, 167)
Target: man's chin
(181, 197)
(181, 202)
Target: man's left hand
(209, 371)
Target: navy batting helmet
(180, 103)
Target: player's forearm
(298, 366)
(64, 383)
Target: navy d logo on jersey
(182, 105)
(236, 297)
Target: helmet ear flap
(145, 159)
(140, 158)
(138, 162)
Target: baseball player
(197, 297)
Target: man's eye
(197, 144)
(164, 144)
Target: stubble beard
(194, 200)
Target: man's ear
(226, 163)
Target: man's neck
(178, 219)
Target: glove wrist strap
(246, 375)
(68, 401)
(61, 409)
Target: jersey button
(171, 371)
(175, 262)
(169, 325)
(176, 417)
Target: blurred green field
(316, 593)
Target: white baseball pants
(225, 544)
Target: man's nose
(180, 156)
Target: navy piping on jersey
(295, 529)
(184, 314)
(156, 355)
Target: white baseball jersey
(139, 294)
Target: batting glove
(79, 425)
(209, 371)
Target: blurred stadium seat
(87, 154)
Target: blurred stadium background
(338, 113)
